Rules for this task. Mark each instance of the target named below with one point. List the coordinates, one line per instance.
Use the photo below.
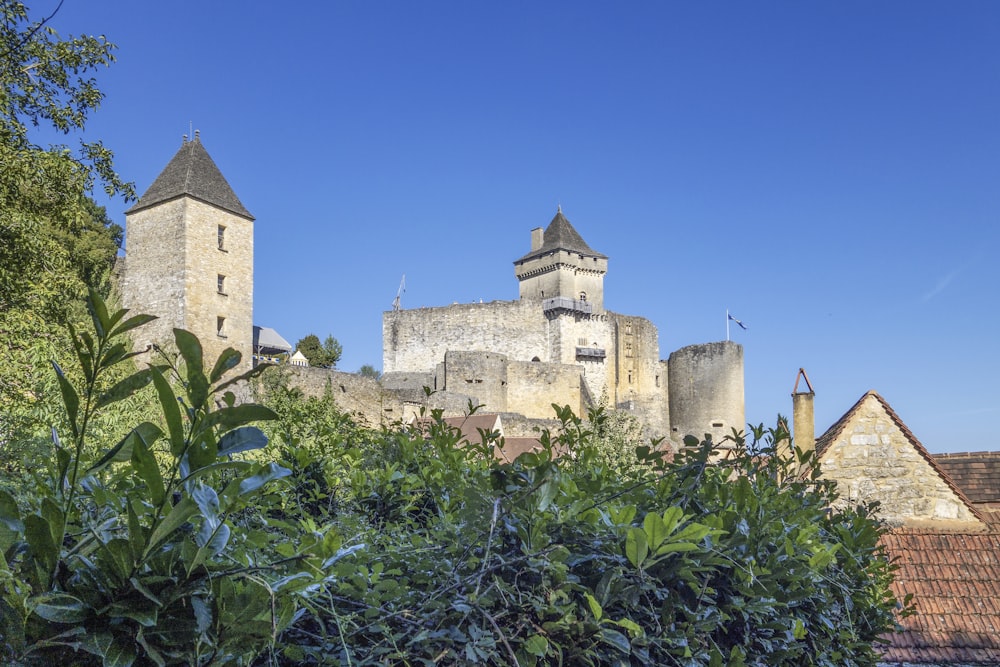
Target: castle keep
(558, 344)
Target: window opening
(220, 326)
(222, 237)
(221, 284)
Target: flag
(742, 326)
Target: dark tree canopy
(320, 355)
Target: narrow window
(222, 237)
(222, 284)
(220, 326)
(583, 296)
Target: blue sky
(827, 171)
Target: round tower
(705, 384)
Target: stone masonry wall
(153, 281)
(872, 459)
(204, 263)
(533, 387)
(417, 340)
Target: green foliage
(170, 545)
(46, 80)
(320, 355)
(551, 560)
(370, 371)
(155, 550)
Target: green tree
(53, 239)
(369, 371)
(320, 355)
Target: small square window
(222, 284)
(222, 237)
(220, 326)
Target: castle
(189, 260)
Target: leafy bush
(153, 551)
(552, 560)
(171, 545)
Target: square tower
(189, 257)
(562, 266)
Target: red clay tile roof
(977, 473)
(824, 441)
(955, 582)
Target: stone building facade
(559, 344)
(189, 257)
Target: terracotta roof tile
(953, 578)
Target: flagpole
(727, 325)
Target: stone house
(942, 510)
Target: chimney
(803, 420)
(537, 238)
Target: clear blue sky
(827, 171)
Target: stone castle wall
(706, 391)
(417, 339)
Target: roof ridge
(561, 235)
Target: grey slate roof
(192, 172)
(560, 235)
(269, 339)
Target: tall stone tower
(189, 257)
(562, 266)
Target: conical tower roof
(192, 173)
(560, 235)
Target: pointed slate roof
(192, 173)
(560, 235)
(824, 442)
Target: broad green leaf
(98, 312)
(114, 650)
(145, 432)
(197, 383)
(43, 547)
(633, 628)
(132, 323)
(228, 360)
(242, 440)
(269, 472)
(59, 607)
(616, 639)
(203, 451)
(536, 645)
(116, 555)
(71, 400)
(595, 606)
(148, 469)
(656, 530)
(238, 415)
(177, 517)
(636, 547)
(53, 515)
(10, 515)
(171, 411)
(124, 389)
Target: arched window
(583, 296)
(535, 359)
